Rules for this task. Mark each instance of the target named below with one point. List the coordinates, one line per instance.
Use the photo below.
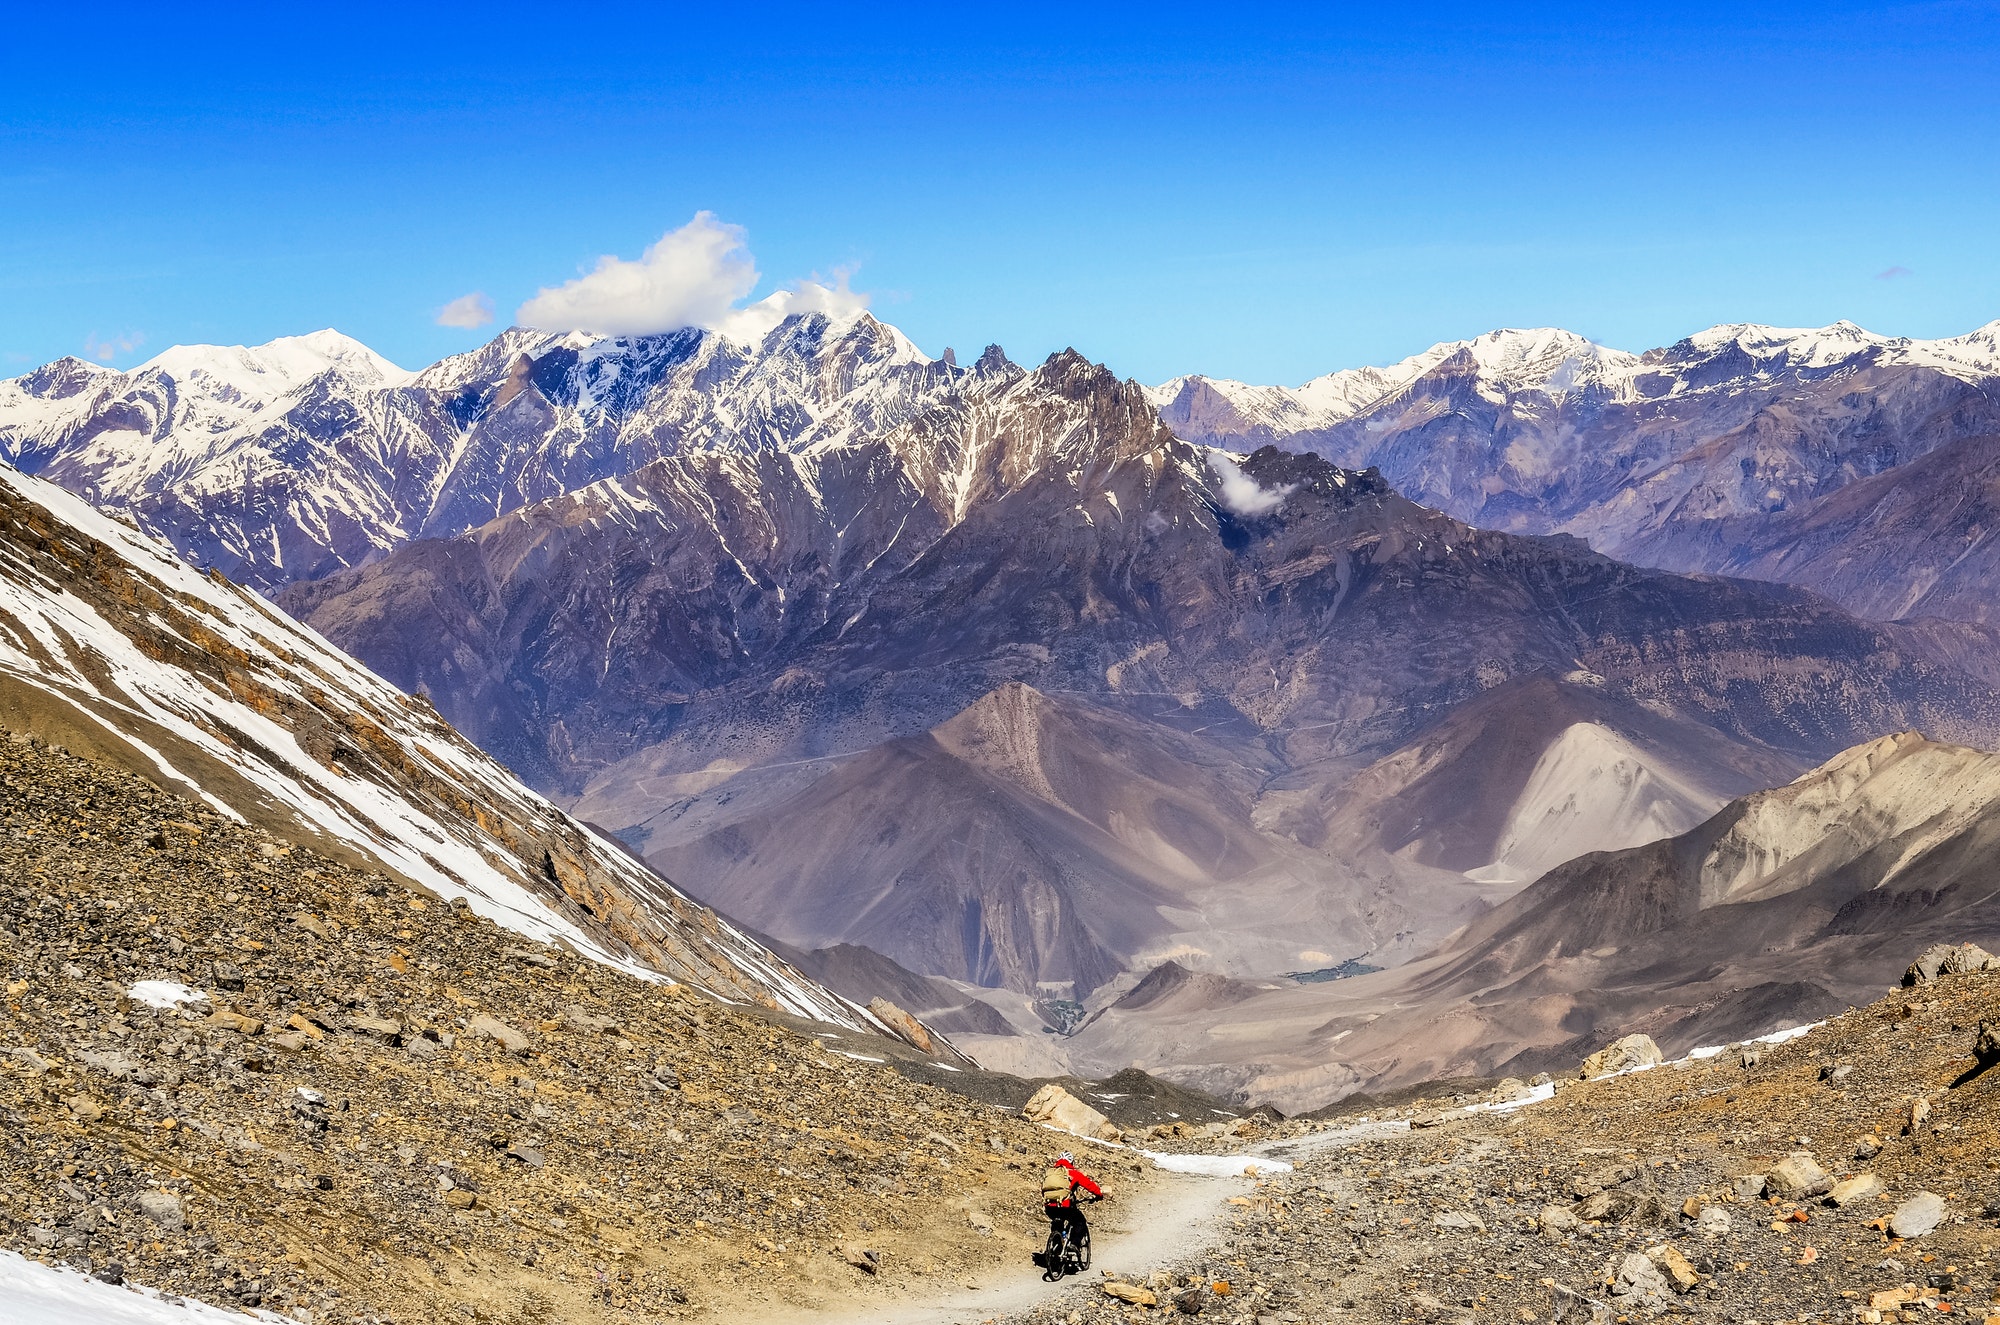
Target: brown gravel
(1388, 1229)
(494, 1130)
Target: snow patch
(37, 1294)
(1536, 1095)
(165, 994)
(1216, 1166)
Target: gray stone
(1857, 1188)
(1713, 1222)
(1949, 959)
(1636, 1276)
(1588, 1184)
(1798, 1175)
(586, 1021)
(1608, 1205)
(507, 1037)
(1556, 1219)
(163, 1208)
(1623, 1055)
(1917, 1216)
(112, 1063)
(1986, 1045)
(1748, 1186)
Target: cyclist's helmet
(1066, 1157)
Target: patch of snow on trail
(37, 1294)
(1775, 1037)
(1216, 1166)
(1545, 1091)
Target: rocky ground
(1849, 1175)
(385, 1109)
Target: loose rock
(1919, 1215)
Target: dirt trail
(1179, 1216)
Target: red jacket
(1077, 1178)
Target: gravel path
(1181, 1216)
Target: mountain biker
(1059, 1186)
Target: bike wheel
(1083, 1251)
(1052, 1259)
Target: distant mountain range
(1720, 453)
(1034, 681)
(291, 460)
(1031, 693)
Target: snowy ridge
(1551, 361)
(1679, 458)
(112, 626)
(309, 454)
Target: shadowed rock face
(1918, 540)
(796, 681)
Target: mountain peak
(64, 377)
(275, 367)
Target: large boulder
(906, 1026)
(1798, 1175)
(1055, 1107)
(1950, 959)
(1633, 1051)
(1917, 1216)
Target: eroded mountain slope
(111, 643)
(1789, 904)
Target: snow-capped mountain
(290, 460)
(109, 642)
(1672, 458)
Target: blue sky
(1247, 191)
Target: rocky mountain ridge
(243, 1071)
(290, 460)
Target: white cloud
(104, 351)
(1241, 493)
(696, 276)
(468, 311)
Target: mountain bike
(1068, 1251)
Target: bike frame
(1062, 1252)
